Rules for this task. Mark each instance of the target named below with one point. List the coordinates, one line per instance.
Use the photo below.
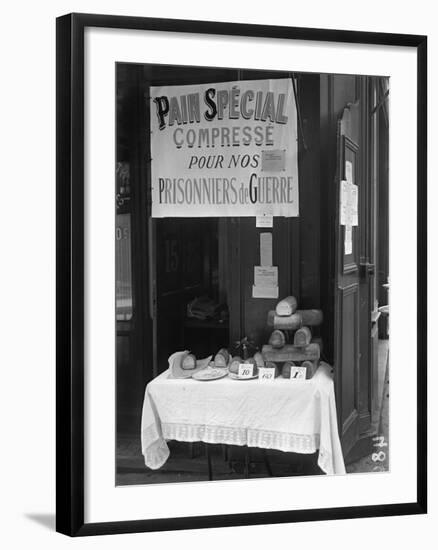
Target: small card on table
(266, 374)
(246, 370)
(298, 373)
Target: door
(179, 277)
(347, 278)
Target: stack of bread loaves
(303, 352)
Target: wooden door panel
(347, 289)
(348, 304)
(349, 349)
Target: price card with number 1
(298, 373)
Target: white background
(28, 273)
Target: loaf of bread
(285, 371)
(302, 337)
(311, 367)
(189, 362)
(258, 357)
(287, 306)
(222, 358)
(234, 365)
(277, 339)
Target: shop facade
(333, 265)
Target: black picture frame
(70, 272)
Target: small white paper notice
(354, 202)
(266, 275)
(265, 248)
(349, 171)
(264, 291)
(298, 373)
(245, 370)
(348, 239)
(265, 220)
(343, 202)
(348, 203)
(274, 160)
(266, 374)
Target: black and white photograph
(252, 283)
(218, 306)
(241, 307)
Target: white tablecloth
(292, 416)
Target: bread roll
(189, 362)
(277, 339)
(258, 357)
(302, 337)
(234, 365)
(222, 358)
(287, 306)
(285, 371)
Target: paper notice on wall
(354, 202)
(348, 244)
(265, 276)
(264, 291)
(343, 202)
(349, 171)
(264, 220)
(274, 160)
(266, 249)
(348, 203)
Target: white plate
(210, 373)
(237, 377)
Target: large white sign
(227, 149)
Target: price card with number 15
(266, 374)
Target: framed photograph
(241, 274)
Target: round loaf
(189, 362)
(285, 371)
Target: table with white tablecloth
(296, 416)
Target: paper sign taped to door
(266, 249)
(264, 220)
(266, 275)
(348, 239)
(264, 291)
(349, 171)
(354, 203)
(348, 203)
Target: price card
(245, 370)
(266, 374)
(298, 373)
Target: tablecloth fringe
(287, 442)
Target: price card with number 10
(246, 370)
